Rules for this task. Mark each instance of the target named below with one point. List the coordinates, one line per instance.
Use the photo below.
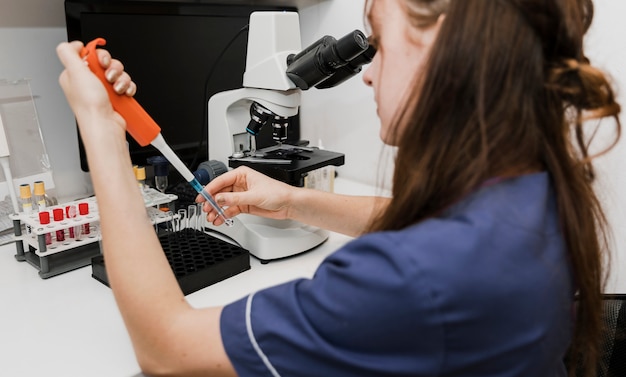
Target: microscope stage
(299, 161)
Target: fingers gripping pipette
(142, 127)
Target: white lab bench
(69, 325)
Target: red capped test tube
(83, 209)
(57, 213)
(44, 219)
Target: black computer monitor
(179, 53)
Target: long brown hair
(508, 90)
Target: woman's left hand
(84, 91)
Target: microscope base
(268, 239)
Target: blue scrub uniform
(484, 290)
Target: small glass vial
(26, 198)
(40, 195)
(161, 171)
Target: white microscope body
(273, 36)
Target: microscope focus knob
(208, 170)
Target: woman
(470, 270)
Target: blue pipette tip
(200, 190)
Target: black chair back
(613, 351)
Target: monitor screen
(179, 53)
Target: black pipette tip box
(196, 258)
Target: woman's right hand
(245, 190)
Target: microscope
(277, 70)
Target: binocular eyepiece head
(324, 64)
(317, 65)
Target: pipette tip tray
(196, 258)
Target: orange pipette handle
(138, 123)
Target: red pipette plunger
(139, 124)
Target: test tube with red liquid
(44, 219)
(57, 213)
(83, 209)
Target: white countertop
(69, 325)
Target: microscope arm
(229, 113)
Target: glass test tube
(70, 213)
(182, 213)
(200, 219)
(153, 220)
(161, 171)
(176, 222)
(40, 195)
(83, 210)
(191, 213)
(26, 198)
(57, 213)
(170, 221)
(140, 175)
(44, 219)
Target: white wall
(604, 46)
(344, 118)
(30, 53)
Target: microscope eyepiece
(323, 58)
(352, 45)
(353, 67)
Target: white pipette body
(160, 144)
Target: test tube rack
(60, 256)
(197, 259)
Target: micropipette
(142, 127)
(160, 144)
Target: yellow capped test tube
(26, 198)
(40, 195)
(140, 175)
